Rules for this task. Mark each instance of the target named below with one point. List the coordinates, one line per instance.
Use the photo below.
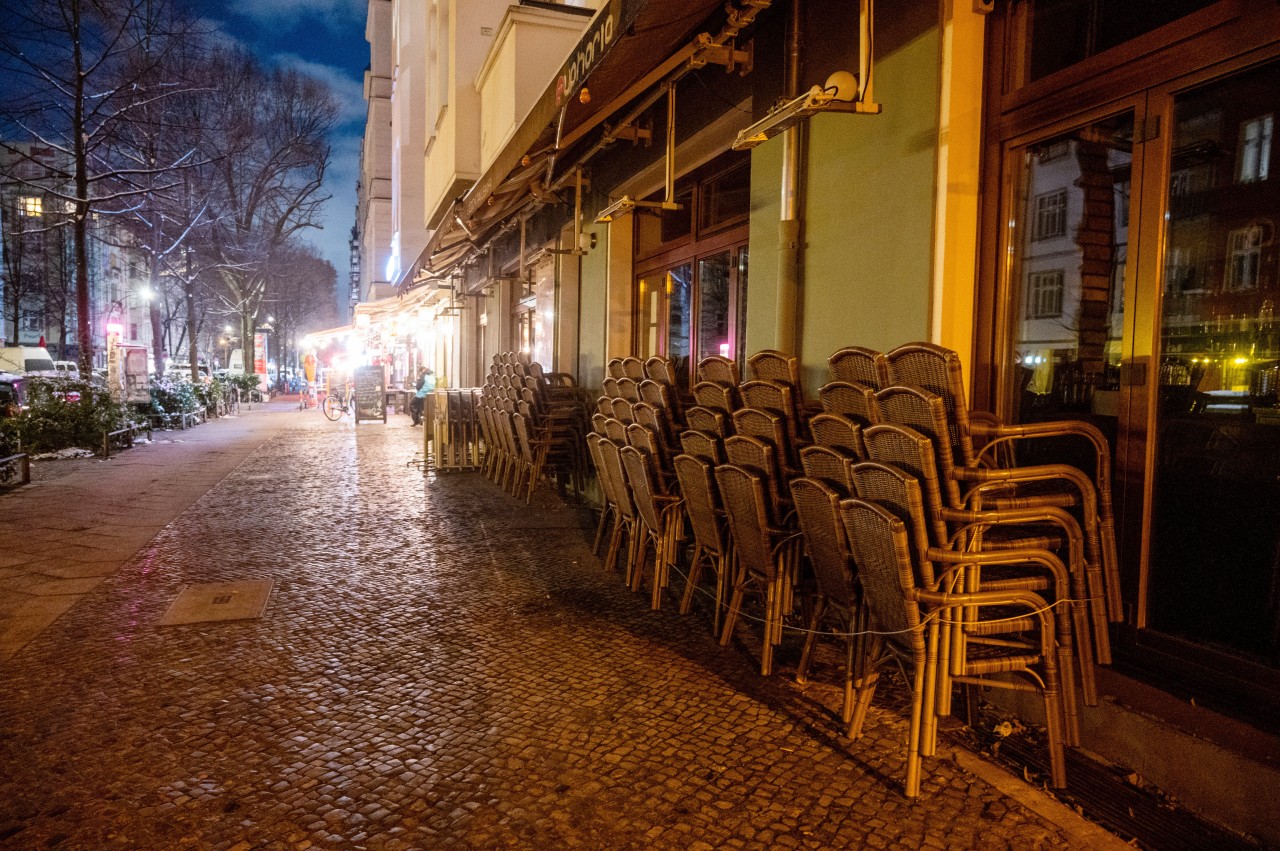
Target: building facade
(37, 265)
(1079, 197)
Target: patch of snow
(62, 454)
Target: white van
(67, 369)
(27, 360)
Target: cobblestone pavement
(438, 667)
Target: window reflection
(1070, 263)
(1216, 512)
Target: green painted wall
(868, 229)
(593, 311)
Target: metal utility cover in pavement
(219, 601)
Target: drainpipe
(790, 222)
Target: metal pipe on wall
(790, 221)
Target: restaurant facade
(1078, 196)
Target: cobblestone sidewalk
(439, 667)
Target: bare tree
(301, 295)
(267, 143)
(76, 72)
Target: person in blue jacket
(425, 387)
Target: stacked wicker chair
(869, 502)
(633, 443)
(532, 425)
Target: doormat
(219, 601)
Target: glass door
(1133, 274)
(691, 309)
(1214, 574)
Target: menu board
(370, 394)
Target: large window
(1044, 294)
(1244, 256)
(1051, 215)
(1165, 338)
(1254, 160)
(692, 268)
(1061, 33)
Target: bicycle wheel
(333, 407)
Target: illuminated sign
(598, 37)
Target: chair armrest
(997, 434)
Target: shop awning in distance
(327, 335)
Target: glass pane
(1216, 536)
(1069, 276)
(726, 198)
(679, 284)
(1063, 32)
(677, 223)
(713, 306)
(648, 313)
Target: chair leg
(659, 564)
(735, 605)
(615, 543)
(1098, 607)
(600, 527)
(771, 608)
(691, 582)
(1054, 715)
(927, 743)
(863, 691)
(635, 567)
(846, 704)
(810, 638)
(921, 676)
(723, 565)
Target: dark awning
(625, 43)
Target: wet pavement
(438, 667)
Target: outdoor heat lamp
(842, 92)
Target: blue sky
(323, 38)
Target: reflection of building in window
(1122, 203)
(1115, 304)
(1051, 215)
(1183, 270)
(32, 205)
(1244, 255)
(1044, 294)
(1254, 157)
(1054, 150)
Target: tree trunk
(84, 321)
(193, 353)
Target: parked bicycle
(335, 404)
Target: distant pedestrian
(425, 387)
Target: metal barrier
(23, 462)
(129, 432)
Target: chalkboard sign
(370, 394)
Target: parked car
(67, 369)
(176, 369)
(27, 360)
(12, 396)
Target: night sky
(323, 38)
